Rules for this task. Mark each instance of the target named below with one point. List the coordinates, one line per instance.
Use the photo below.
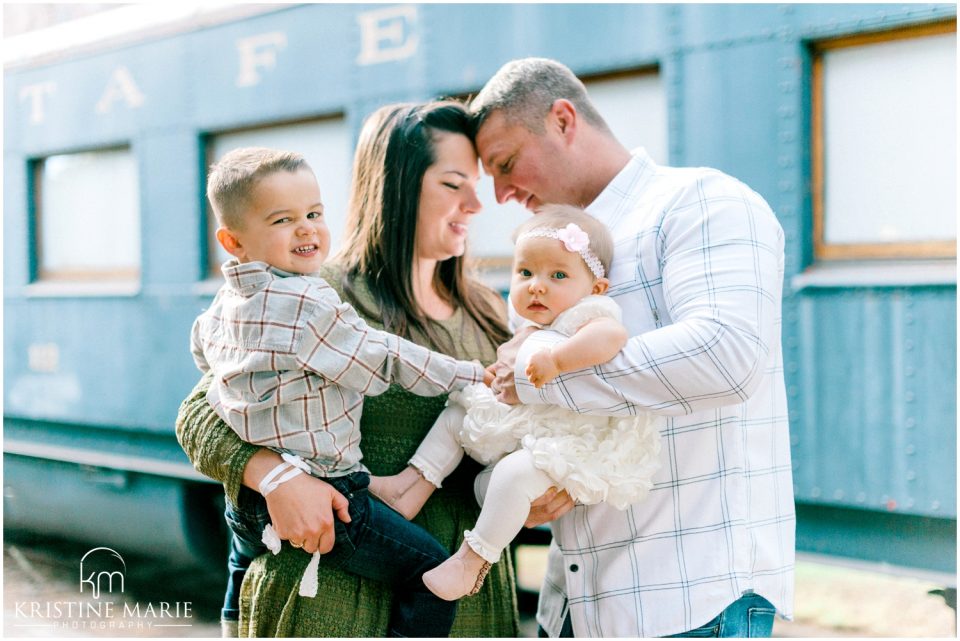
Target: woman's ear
(600, 286)
(229, 241)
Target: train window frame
(211, 275)
(825, 251)
(45, 281)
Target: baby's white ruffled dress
(594, 458)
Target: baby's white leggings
(514, 484)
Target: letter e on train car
(387, 34)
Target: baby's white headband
(574, 239)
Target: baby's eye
(525, 273)
(559, 275)
(285, 219)
(315, 214)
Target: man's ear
(229, 241)
(600, 286)
(563, 117)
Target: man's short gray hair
(525, 90)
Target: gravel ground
(831, 601)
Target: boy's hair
(553, 216)
(525, 90)
(231, 180)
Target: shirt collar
(617, 194)
(249, 278)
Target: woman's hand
(552, 505)
(302, 511)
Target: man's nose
(503, 190)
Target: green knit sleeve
(214, 449)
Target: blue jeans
(749, 616)
(377, 544)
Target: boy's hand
(542, 368)
(488, 375)
(504, 387)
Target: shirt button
(574, 567)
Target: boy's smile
(283, 224)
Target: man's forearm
(671, 371)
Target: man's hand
(542, 368)
(552, 505)
(503, 384)
(302, 510)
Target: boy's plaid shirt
(292, 363)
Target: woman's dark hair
(395, 149)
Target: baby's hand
(542, 368)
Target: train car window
(87, 208)
(884, 145)
(620, 98)
(328, 148)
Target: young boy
(292, 364)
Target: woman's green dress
(392, 427)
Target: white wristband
(296, 461)
(268, 484)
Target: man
(698, 271)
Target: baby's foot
(405, 492)
(459, 576)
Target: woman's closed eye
(452, 186)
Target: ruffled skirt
(596, 459)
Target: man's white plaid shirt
(292, 364)
(698, 271)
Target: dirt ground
(831, 601)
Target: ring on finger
(297, 544)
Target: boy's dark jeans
(377, 544)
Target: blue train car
(842, 116)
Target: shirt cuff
(470, 371)
(526, 392)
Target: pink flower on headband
(573, 238)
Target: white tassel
(308, 584)
(271, 539)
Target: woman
(402, 267)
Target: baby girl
(561, 259)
